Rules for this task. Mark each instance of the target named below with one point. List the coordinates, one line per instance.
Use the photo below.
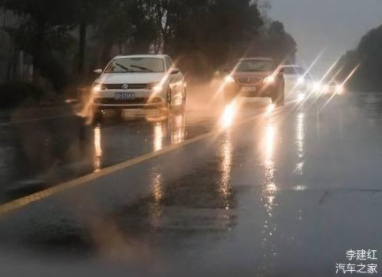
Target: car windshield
(254, 66)
(293, 70)
(135, 65)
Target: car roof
(159, 56)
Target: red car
(255, 77)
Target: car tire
(97, 116)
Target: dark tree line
(364, 64)
(66, 39)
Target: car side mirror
(175, 71)
(98, 71)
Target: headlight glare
(157, 88)
(317, 86)
(97, 88)
(270, 79)
(229, 79)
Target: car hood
(130, 78)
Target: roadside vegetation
(56, 45)
(364, 63)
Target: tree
(202, 35)
(205, 34)
(276, 43)
(361, 67)
(113, 29)
(86, 13)
(40, 32)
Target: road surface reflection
(160, 134)
(269, 193)
(226, 150)
(97, 149)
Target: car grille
(130, 86)
(137, 101)
(249, 80)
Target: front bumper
(142, 100)
(233, 90)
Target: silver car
(139, 82)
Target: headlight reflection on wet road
(156, 209)
(97, 149)
(270, 188)
(271, 108)
(178, 129)
(270, 137)
(158, 137)
(226, 168)
(269, 163)
(300, 135)
(228, 116)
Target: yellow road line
(82, 181)
(24, 201)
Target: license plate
(249, 88)
(124, 96)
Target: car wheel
(97, 115)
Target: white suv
(139, 82)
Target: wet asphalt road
(267, 193)
(39, 154)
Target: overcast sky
(334, 25)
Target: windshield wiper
(142, 68)
(125, 68)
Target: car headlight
(301, 97)
(340, 88)
(301, 81)
(317, 86)
(158, 88)
(229, 79)
(97, 87)
(270, 79)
